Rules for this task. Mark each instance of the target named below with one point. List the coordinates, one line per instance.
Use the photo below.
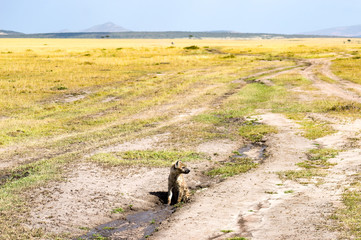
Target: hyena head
(181, 167)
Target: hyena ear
(176, 164)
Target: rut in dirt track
(339, 88)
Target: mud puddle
(139, 225)
(256, 151)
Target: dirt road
(254, 205)
(258, 205)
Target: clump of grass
(229, 56)
(233, 167)
(226, 231)
(118, 210)
(314, 130)
(192, 47)
(97, 236)
(208, 118)
(317, 158)
(256, 133)
(108, 228)
(60, 88)
(313, 167)
(271, 192)
(84, 228)
(146, 158)
(298, 175)
(345, 107)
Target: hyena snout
(186, 171)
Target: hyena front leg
(180, 196)
(186, 195)
(170, 194)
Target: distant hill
(347, 31)
(106, 27)
(9, 33)
(158, 35)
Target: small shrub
(193, 47)
(60, 88)
(118, 210)
(230, 56)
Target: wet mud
(138, 225)
(256, 151)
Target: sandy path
(326, 70)
(340, 89)
(250, 204)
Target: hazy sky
(271, 16)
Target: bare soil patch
(89, 195)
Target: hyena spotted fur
(177, 187)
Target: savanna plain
(270, 129)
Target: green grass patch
(117, 210)
(255, 133)
(298, 175)
(314, 130)
(98, 236)
(343, 107)
(317, 158)
(349, 217)
(233, 167)
(146, 158)
(220, 118)
(290, 80)
(108, 228)
(314, 166)
(208, 118)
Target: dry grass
(348, 69)
(61, 99)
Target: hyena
(177, 187)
